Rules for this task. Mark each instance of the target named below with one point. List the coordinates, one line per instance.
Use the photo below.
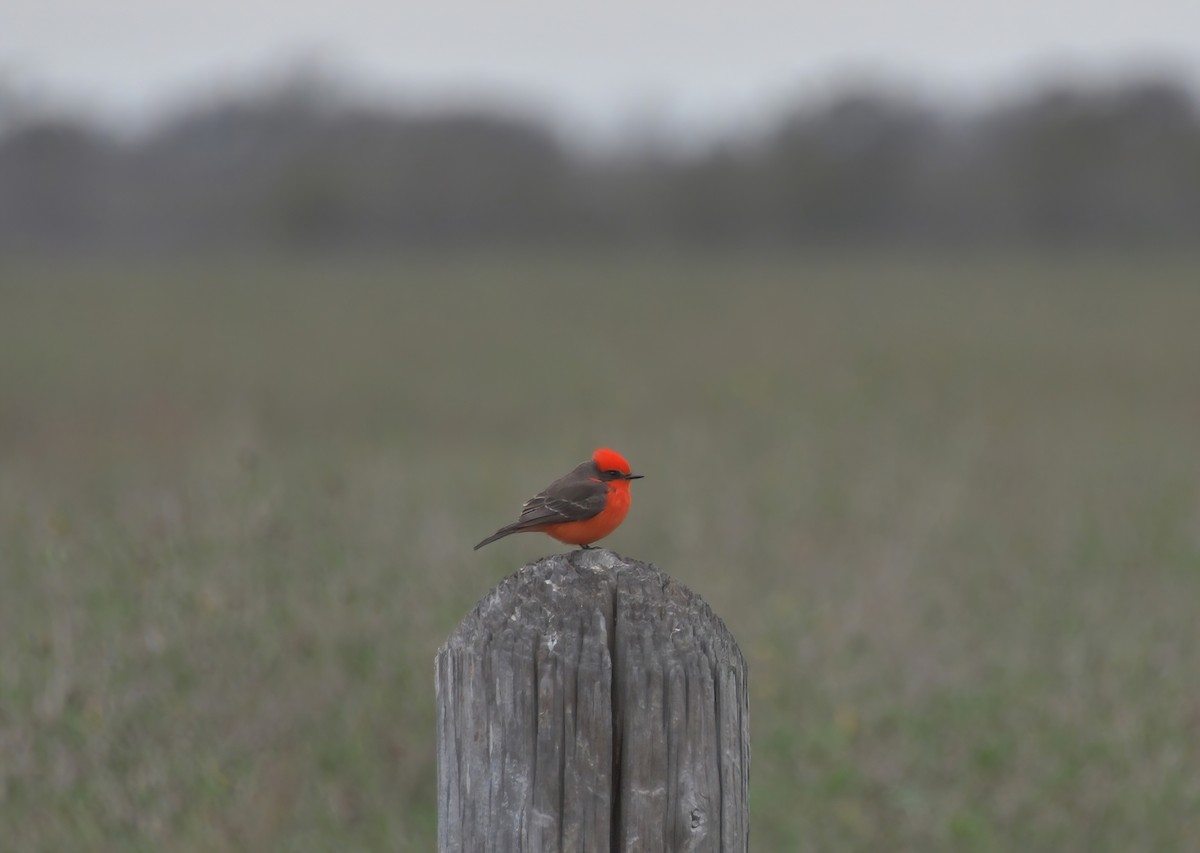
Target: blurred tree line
(298, 167)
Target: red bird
(581, 508)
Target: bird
(581, 507)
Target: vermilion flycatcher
(581, 508)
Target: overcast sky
(689, 63)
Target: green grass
(950, 508)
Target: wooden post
(591, 703)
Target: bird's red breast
(589, 530)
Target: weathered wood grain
(591, 703)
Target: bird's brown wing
(577, 500)
(575, 497)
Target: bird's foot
(585, 547)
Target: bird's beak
(634, 476)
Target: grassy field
(950, 509)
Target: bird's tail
(499, 534)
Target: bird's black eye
(613, 473)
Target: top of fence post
(590, 702)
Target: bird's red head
(610, 460)
(613, 464)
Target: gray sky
(684, 64)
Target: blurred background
(895, 306)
